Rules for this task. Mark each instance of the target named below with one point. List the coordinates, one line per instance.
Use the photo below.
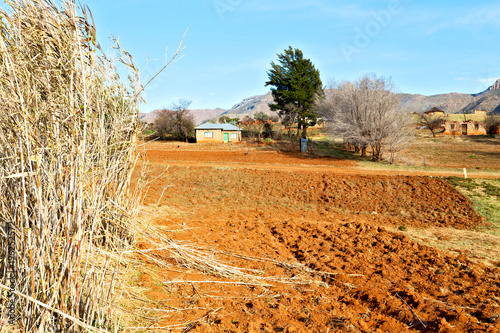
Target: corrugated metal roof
(224, 127)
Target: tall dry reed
(68, 127)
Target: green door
(226, 137)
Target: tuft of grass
(467, 183)
(491, 188)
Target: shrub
(492, 124)
(177, 124)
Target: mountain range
(488, 100)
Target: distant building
(480, 112)
(470, 127)
(209, 132)
(323, 122)
(435, 111)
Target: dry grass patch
(68, 128)
(477, 245)
(472, 152)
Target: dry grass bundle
(68, 127)
(163, 251)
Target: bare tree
(401, 136)
(432, 122)
(492, 124)
(365, 114)
(260, 119)
(177, 123)
(274, 118)
(289, 117)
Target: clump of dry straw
(68, 128)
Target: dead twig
(185, 326)
(415, 316)
(221, 282)
(445, 305)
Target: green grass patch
(485, 195)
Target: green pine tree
(294, 82)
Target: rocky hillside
(494, 86)
(251, 105)
(487, 101)
(450, 103)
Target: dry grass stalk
(68, 128)
(72, 319)
(415, 316)
(219, 282)
(163, 250)
(184, 327)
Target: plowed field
(319, 250)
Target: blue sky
(426, 47)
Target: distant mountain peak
(495, 86)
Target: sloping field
(264, 250)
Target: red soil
(369, 279)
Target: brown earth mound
(409, 201)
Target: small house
(435, 111)
(470, 127)
(209, 132)
(480, 112)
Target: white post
(465, 173)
